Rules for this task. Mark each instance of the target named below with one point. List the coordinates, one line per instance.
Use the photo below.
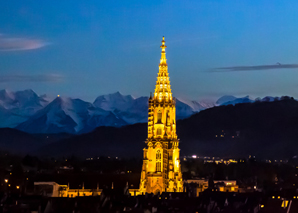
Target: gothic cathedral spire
(163, 87)
(161, 165)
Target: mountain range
(266, 129)
(28, 112)
(262, 128)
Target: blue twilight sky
(89, 48)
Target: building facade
(161, 170)
(53, 189)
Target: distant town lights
(194, 156)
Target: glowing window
(159, 131)
(285, 203)
(158, 155)
(158, 166)
(159, 115)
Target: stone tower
(161, 170)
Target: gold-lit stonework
(161, 170)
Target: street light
(6, 180)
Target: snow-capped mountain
(225, 99)
(17, 107)
(69, 115)
(183, 110)
(197, 106)
(27, 111)
(26, 99)
(115, 101)
(131, 110)
(232, 101)
(77, 116)
(136, 113)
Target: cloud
(259, 67)
(17, 44)
(30, 78)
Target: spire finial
(163, 50)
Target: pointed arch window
(158, 155)
(159, 115)
(158, 161)
(159, 131)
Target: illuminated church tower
(161, 170)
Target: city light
(221, 55)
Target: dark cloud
(259, 67)
(31, 78)
(16, 44)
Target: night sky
(88, 48)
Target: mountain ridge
(264, 129)
(27, 111)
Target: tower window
(159, 131)
(159, 114)
(158, 161)
(158, 166)
(158, 155)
